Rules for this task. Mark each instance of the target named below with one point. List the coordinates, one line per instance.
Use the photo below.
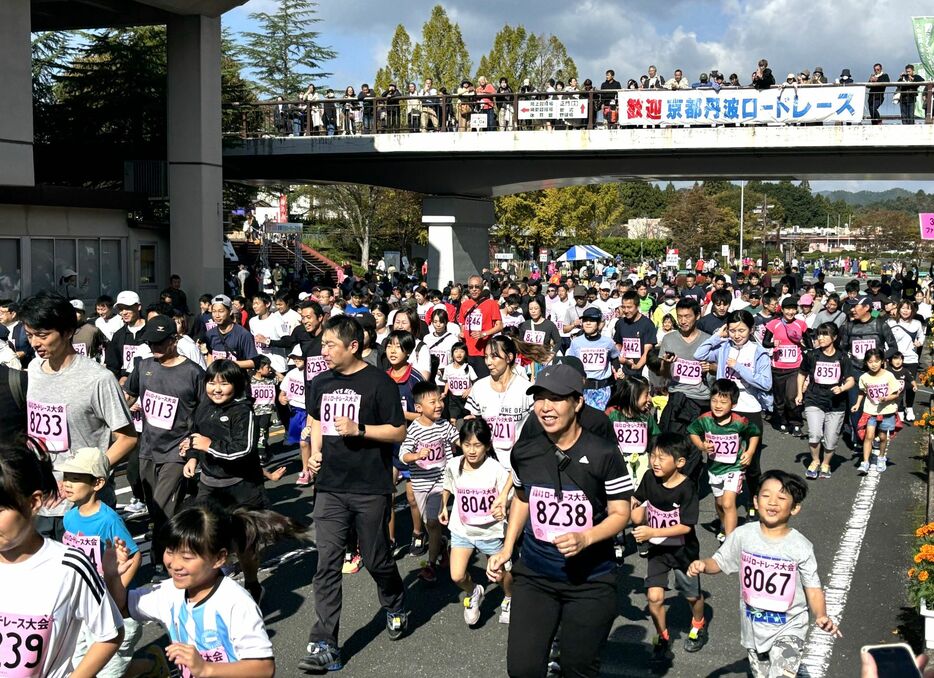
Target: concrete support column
(16, 139)
(458, 237)
(194, 153)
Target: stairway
(319, 266)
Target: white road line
(819, 645)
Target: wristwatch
(361, 430)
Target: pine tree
(285, 54)
(443, 53)
(511, 56)
(399, 60)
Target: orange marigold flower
(917, 559)
(923, 575)
(911, 573)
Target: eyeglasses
(474, 287)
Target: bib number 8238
(559, 514)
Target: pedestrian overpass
(462, 171)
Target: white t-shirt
(472, 490)
(558, 314)
(269, 327)
(608, 311)
(293, 385)
(287, 322)
(441, 347)
(505, 412)
(57, 584)
(420, 358)
(108, 327)
(226, 626)
(458, 379)
(906, 332)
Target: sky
(694, 35)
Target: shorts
(488, 547)
(824, 426)
(887, 425)
(656, 575)
(429, 503)
(597, 397)
(728, 482)
(456, 407)
(781, 660)
(297, 422)
(401, 467)
(243, 493)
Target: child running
(292, 394)
(730, 442)
(778, 578)
(878, 398)
(91, 527)
(427, 448)
(634, 424)
(479, 485)
(665, 508)
(458, 376)
(263, 392)
(209, 617)
(47, 586)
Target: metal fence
(412, 114)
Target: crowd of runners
(552, 428)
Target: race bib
(89, 546)
(474, 321)
(315, 365)
(209, 325)
(687, 372)
(24, 644)
(534, 337)
(136, 416)
(594, 359)
(827, 374)
(217, 655)
(129, 352)
(263, 394)
(221, 355)
(860, 346)
(442, 356)
(335, 405)
(732, 375)
(787, 353)
(458, 385)
(658, 519)
(160, 409)
(877, 306)
(631, 436)
(81, 349)
(436, 456)
(632, 348)
(552, 518)
(49, 423)
(759, 333)
(475, 505)
(559, 324)
(504, 431)
(877, 392)
(725, 447)
(767, 582)
(609, 316)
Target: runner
(228, 340)
(634, 335)
(479, 319)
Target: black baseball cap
(864, 301)
(158, 329)
(562, 380)
(591, 313)
(790, 302)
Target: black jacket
(230, 428)
(113, 354)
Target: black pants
(369, 514)
(261, 429)
(585, 612)
(478, 363)
(784, 390)
(754, 470)
(875, 102)
(133, 475)
(163, 491)
(908, 395)
(906, 106)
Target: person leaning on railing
(366, 102)
(413, 109)
(908, 95)
(877, 94)
(465, 105)
(431, 107)
(505, 102)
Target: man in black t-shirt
(354, 419)
(12, 403)
(635, 335)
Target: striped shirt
(438, 439)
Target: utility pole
(742, 199)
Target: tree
(696, 221)
(50, 49)
(551, 60)
(890, 231)
(511, 56)
(285, 54)
(399, 60)
(443, 55)
(642, 199)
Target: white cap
(127, 298)
(68, 272)
(296, 351)
(606, 285)
(303, 295)
(829, 288)
(78, 304)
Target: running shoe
(504, 609)
(825, 472)
(881, 463)
(352, 563)
(397, 623)
(797, 432)
(322, 656)
(721, 537)
(419, 545)
(661, 651)
(137, 507)
(427, 574)
(697, 638)
(909, 414)
(472, 605)
(863, 468)
(304, 479)
(812, 473)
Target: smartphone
(895, 660)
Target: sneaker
(812, 472)
(661, 651)
(881, 463)
(352, 563)
(797, 432)
(824, 472)
(472, 605)
(419, 545)
(697, 638)
(863, 468)
(304, 479)
(721, 537)
(322, 656)
(256, 591)
(159, 574)
(136, 507)
(504, 610)
(427, 574)
(909, 414)
(783, 428)
(397, 623)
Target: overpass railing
(593, 109)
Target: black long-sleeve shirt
(232, 456)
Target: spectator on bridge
(762, 77)
(845, 77)
(703, 82)
(506, 108)
(487, 103)
(351, 112)
(908, 95)
(818, 77)
(366, 101)
(312, 110)
(431, 108)
(390, 113)
(678, 81)
(413, 109)
(655, 81)
(330, 114)
(734, 81)
(877, 94)
(465, 104)
(804, 77)
(608, 112)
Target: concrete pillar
(16, 162)
(194, 153)
(458, 237)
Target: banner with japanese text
(788, 105)
(552, 109)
